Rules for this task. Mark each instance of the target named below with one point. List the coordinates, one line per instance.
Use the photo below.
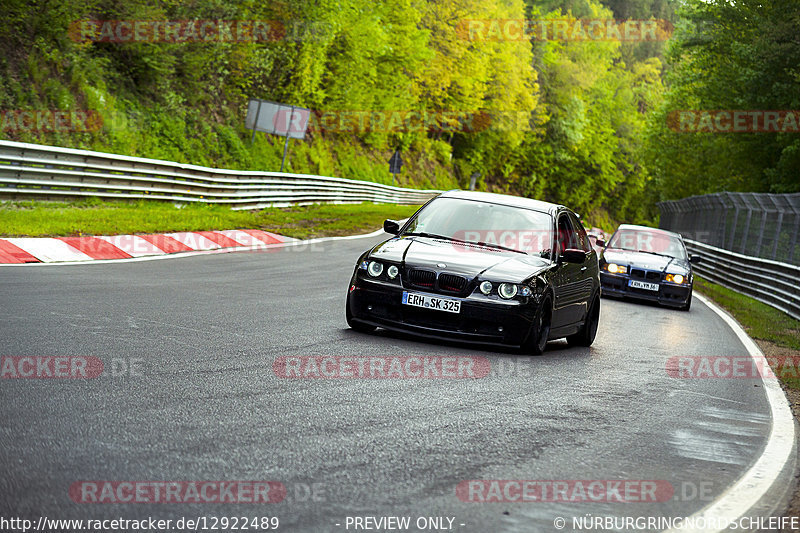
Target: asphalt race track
(203, 401)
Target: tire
(587, 333)
(356, 326)
(540, 329)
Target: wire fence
(747, 242)
(752, 224)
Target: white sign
(278, 119)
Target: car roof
(503, 199)
(635, 227)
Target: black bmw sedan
(647, 264)
(482, 268)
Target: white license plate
(643, 285)
(431, 302)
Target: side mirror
(572, 255)
(600, 242)
(391, 226)
(694, 258)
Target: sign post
(395, 164)
(286, 143)
(258, 114)
(472, 179)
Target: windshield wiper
(500, 246)
(654, 253)
(430, 235)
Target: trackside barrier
(32, 171)
(771, 282)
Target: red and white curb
(72, 249)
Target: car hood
(646, 261)
(465, 259)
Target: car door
(589, 270)
(567, 308)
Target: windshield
(495, 225)
(653, 242)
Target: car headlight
(486, 287)
(616, 269)
(507, 290)
(375, 269)
(392, 271)
(675, 278)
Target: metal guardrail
(774, 283)
(753, 224)
(31, 171)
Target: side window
(583, 242)
(564, 237)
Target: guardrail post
(723, 219)
(733, 226)
(746, 230)
(793, 246)
(760, 238)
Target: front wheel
(587, 333)
(356, 326)
(540, 330)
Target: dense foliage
(583, 123)
(742, 55)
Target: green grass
(93, 217)
(761, 321)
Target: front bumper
(496, 323)
(669, 294)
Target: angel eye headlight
(507, 290)
(392, 271)
(486, 287)
(375, 269)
